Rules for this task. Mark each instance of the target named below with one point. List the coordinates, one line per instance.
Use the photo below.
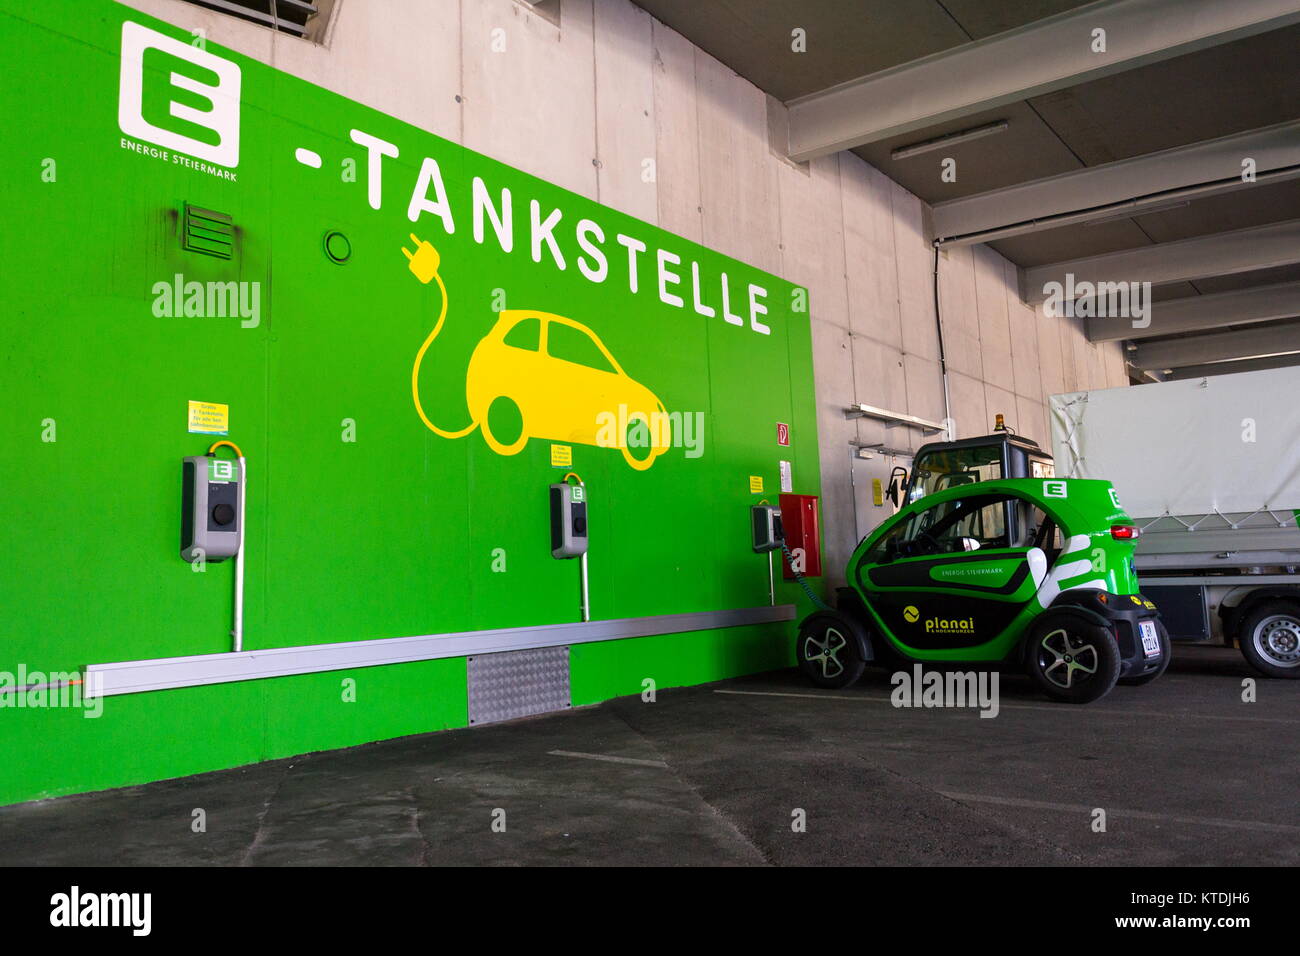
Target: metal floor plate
(514, 684)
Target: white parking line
(608, 759)
(1137, 814)
(1006, 706)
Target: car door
(954, 575)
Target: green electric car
(1025, 573)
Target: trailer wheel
(1072, 659)
(1270, 638)
(827, 649)
(1166, 653)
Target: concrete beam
(1201, 313)
(1040, 57)
(1220, 254)
(1231, 368)
(1128, 185)
(1217, 347)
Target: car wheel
(827, 649)
(504, 420)
(1166, 653)
(639, 422)
(1270, 639)
(1072, 659)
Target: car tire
(505, 404)
(1071, 658)
(827, 649)
(1269, 637)
(1166, 654)
(640, 464)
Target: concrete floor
(1187, 773)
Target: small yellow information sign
(877, 492)
(561, 456)
(209, 418)
(756, 484)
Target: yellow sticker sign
(561, 456)
(209, 418)
(756, 484)
(877, 492)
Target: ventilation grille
(211, 233)
(295, 17)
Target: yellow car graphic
(539, 375)
(549, 377)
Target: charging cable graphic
(423, 263)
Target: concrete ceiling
(1233, 84)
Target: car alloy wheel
(826, 652)
(1061, 657)
(829, 649)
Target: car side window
(1042, 532)
(887, 548)
(898, 541)
(574, 345)
(982, 518)
(525, 334)
(952, 525)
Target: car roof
(1085, 501)
(1025, 487)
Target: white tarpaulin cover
(1183, 448)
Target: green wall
(390, 535)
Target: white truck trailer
(1210, 470)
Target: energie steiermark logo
(180, 98)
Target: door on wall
(871, 477)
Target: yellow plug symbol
(423, 262)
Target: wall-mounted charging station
(768, 536)
(569, 528)
(211, 507)
(212, 517)
(568, 520)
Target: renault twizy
(1034, 574)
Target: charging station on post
(569, 529)
(212, 517)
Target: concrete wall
(614, 105)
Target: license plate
(1150, 641)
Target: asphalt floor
(760, 770)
